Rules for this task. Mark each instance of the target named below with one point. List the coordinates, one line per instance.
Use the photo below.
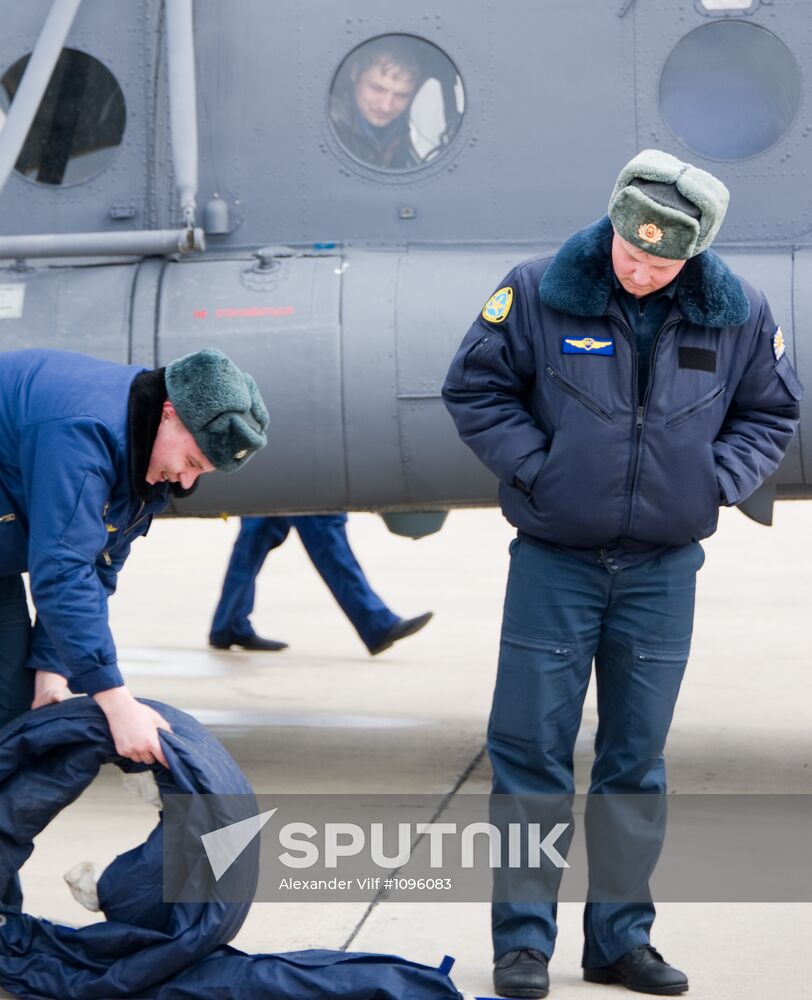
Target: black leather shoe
(521, 973)
(253, 642)
(643, 970)
(401, 628)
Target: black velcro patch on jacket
(698, 358)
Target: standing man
(89, 452)
(369, 106)
(621, 391)
(324, 537)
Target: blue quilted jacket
(67, 511)
(544, 391)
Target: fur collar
(579, 281)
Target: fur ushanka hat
(666, 207)
(219, 405)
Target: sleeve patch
(498, 305)
(778, 344)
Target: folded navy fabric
(148, 949)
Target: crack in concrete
(441, 808)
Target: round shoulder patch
(498, 305)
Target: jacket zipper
(578, 394)
(8, 517)
(139, 517)
(637, 424)
(641, 412)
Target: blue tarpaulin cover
(146, 948)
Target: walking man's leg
(231, 625)
(325, 538)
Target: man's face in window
(383, 91)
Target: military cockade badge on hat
(666, 207)
(650, 232)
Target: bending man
(89, 452)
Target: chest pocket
(577, 393)
(698, 406)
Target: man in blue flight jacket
(622, 391)
(89, 452)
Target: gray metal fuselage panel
(351, 336)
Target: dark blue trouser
(560, 614)
(16, 680)
(324, 537)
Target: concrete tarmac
(324, 717)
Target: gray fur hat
(666, 207)
(219, 405)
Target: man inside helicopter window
(371, 100)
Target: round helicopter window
(396, 102)
(78, 125)
(729, 90)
